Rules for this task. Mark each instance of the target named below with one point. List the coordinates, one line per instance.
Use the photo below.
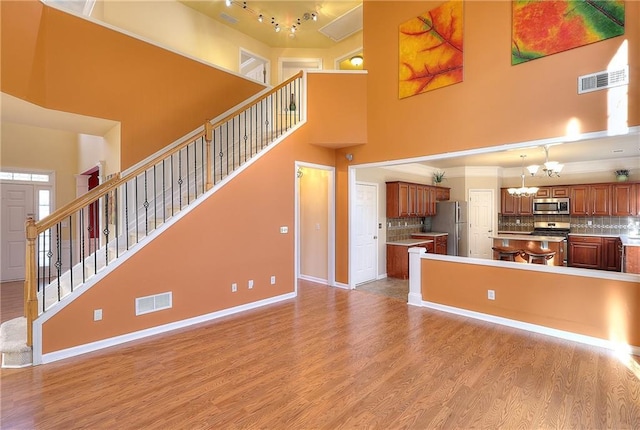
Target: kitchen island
(398, 256)
(531, 242)
(630, 254)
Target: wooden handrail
(258, 100)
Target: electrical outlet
(97, 315)
(517, 221)
(589, 222)
(284, 229)
(273, 280)
(250, 284)
(491, 294)
(234, 287)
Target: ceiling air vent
(344, 26)
(603, 80)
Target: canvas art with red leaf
(541, 28)
(431, 50)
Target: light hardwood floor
(331, 359)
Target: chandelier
(523, 191)
(550, 168)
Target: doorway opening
(315, 223)
(254, 66)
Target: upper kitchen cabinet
(625, 199)
(553, 192)
(511, 205)
(591, 199)
(405, 199)
(443, 193)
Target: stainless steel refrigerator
(451, 218)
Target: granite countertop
(409, 242)
(429, 233)
(528, 237)
(630, 241)
(514, 232)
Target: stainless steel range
(553, 228)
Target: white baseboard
(106, 343)
(314, 279)
(566, 335)
(383, 276)
(341, 285)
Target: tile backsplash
(401, 228)
(579, 224)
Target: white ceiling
(243, 16)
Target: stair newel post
(30, 297)
(208, 137)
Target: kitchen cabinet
(625, 199)
(553, 192)
(511, 205)
(439, 245)
(443, 194)
(405, 199)
(595, 252)
(611, 254)
(585, 252)
(398, 259)
(592, 199)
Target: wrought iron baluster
(49, 255)
(58, 256)
(116, 218)
(82, 233)
(126, 214)
(180, 179)
(227, 126)
(164, 188)
(172, 187)
(186, 150)
(106, 229)
(71, 252)
(155, 197)
(145, 204)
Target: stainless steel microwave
(551, 206)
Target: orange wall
(497, 103)
(600, 308)
(66, 63)
(233, 236)
(337, 109)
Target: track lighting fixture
(293, 27)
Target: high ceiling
(243, 16)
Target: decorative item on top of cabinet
(594, 199)
(553, 192)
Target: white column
(415, 276)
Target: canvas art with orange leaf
(545, 27)
(431, 50)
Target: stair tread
(13, 336)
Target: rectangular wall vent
(158, 302)
(603, 80)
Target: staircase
(79, 243)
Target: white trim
(351, 186)
(383, 276)
(490, 149)
(341, 285)
(314, 279)
(283, 60)
(331, 227)
(267, 64)
(77, 292)
(141, 334)
(575, 337)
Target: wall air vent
(158, 302)
(603, 80)
(344, 26)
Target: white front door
(481, 217)
(17, 204)
(366, 233)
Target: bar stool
(538, 256)
(506, 253)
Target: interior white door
(17, 204)
(366, 233)
(481, 217)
